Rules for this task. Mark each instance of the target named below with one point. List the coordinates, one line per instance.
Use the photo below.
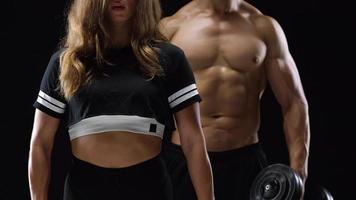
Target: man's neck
(220, 7)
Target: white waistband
(107, 123)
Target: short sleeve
(181, 86)
(50, 100)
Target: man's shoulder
(265, 23)
(268, 28)
(255, 15)
(249, 9)
(182, 15)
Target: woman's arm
(43, 133)
(194, 148)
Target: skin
(119, 149)
(235, 51)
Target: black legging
(148, 180)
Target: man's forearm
(296, 127)
(299, 158)
(200, 169)
(39, 173)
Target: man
(235, 51)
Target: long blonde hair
(87, 34)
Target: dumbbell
(276, 182)
(317, 192)
(280, 182)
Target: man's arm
(43, 133)
(285, 82)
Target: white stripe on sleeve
(181, 92)
(183, 98)
(50, 106)
(51, 99)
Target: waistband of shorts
(241, 151)
(245, 150)
(87, 166)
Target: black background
(320, 39)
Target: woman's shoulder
(53, 65)
(168, 49)
(55, 56)
(57, 52)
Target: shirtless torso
(227, 55)
(235, 51)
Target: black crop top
(121, 98)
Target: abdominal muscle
(230, 107)
(223, 133)
(116, 149)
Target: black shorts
(148, 180)
(233, 170)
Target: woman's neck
(120, 35)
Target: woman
(121, 88)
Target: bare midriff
(116, 149)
